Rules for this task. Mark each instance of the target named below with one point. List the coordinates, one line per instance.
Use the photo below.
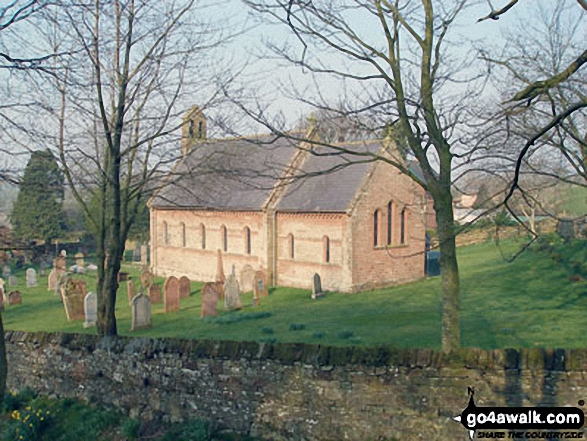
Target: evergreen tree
(38, 210)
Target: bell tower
(193, 129)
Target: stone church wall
(294, 391)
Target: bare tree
(390, 57)
(116, 103)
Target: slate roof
(234, 174)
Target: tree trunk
(3, 363)
(449, 269)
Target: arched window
(165, 234)
(247, 240)
(326, 242)
(224, 238)
(376, 228)
(182, 227)
(389, 221)
(200, 129)
(403, 227)
(291, 245)
(203, 233)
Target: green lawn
(530, 302)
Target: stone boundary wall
(294, 391)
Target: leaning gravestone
(14, 298)
(11, 280)
(155, 294)
(31, 277)
(171, 294)
(90, 310)
(130, 291)
(210, 296)
(246, 280)
(141, 312)
(232, 298)
(74, 293)
(184, 287)
(260, 288)
(317, 287)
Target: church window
(376, 228)
(389, 221)
(291, 245)
(247, 240)
(165, 235)
(183, 243)
(203, 232)
(326, 241)
(200, 129)
(403, 227)
(224, 238)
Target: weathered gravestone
(220, 277)
(171, 294)
(184, 287)
(14, 298)
(74, 292)
(79, 260)
(232, 299)
(52, 280)
(146, 280)
(60, 263)
(141, 312)
(260, 288)
(31, 277)
(210, 296)
(155, 294)
(60, 285)
(130, 291)
(246, 280)
(317, 287)
(90, 310)
(11, 280)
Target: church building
(289, 209)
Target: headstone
(184, 287)
(141, 312)
(144, 255)
(246, 278)
(11, 280)
(6, 271)
(90, 310)
(232, 298)
(14, 298)
(52, 280)
(260, 288)
(91, 267)
(146, 280)
(60, 262)
(155, 294)
(31, 277)
(317, 287)
(171, 294)
(220, 277)
(210, 296)
(130, 291)
(79, 260)
(42, 268)
(60, 285)
(74, 293)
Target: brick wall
(399, 262)
(294, 391)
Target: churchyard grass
(532, 302)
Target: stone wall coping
(316, 355)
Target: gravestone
(144, 255)
(14, 298)
(146, 280)
(79, 260)
(6, 271)
(130, 291)
(260, 288)
(52, 280)
(210, 296)
(246, 280)
(317, 287)
(220, 277)
(74, 293)
(31, 277)
(91, 267)
(184, 287)
(155, 294)
(11, 280)
(141, 312)
(43, 268)
(232, 298)
(60, 285)
(60, 262)
(171, 294)
(90, 310)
